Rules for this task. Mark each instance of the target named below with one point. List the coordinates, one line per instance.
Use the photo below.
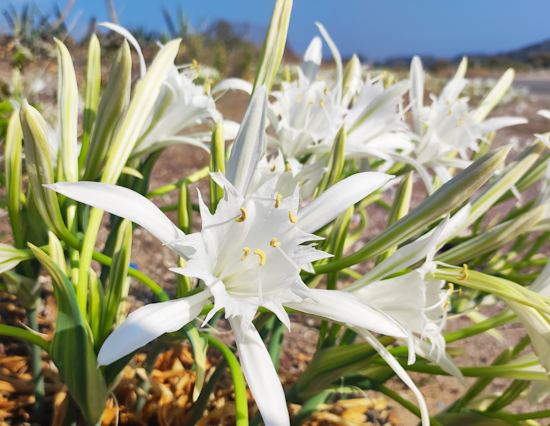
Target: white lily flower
(248, 254)
(447, 126)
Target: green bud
(110, 113)
(67, 104)
(217, 164)
(336, 162)
(493, 239)
(351, 72)
(492, 98)
(274, 45)
(93, 84)
(140, 108)
(399, 208)
(39, 167)
(13, 162)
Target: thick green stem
(190, 179)
(86, 256)
(241, 402)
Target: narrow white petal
(545, 113)
(338, 198)
(125, 33)
(233, 84)
(399, 370)
(121, 202)
(249, 143)
(260, 375)
(425, 350)
(149, 322)
(337, 59)
(417, 93)
(312, 59)
(347, 308)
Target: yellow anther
(322, 103)
(273, 168)
(319, 79)
(309, 104)
(243, 216)
(195, 64)
(460, 291)
(246, 253)
(207, 87)
(450, 111)
(299, 98)
(274, 243)
(298, 85)
(445, 305)
(451, 287)
(325, 91)
(287, 167)
(291, 216)
(448, 102)
(262, 256)
(464, 273)
(278, 200)
(384, 74)
(459, 122)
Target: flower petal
(313, 58)
(249, 143)
(233, 84)
(338, 198)
(125, 33)
(121, 202)
(149, 322)
(347, 308)
(399, 370)
(260, 375)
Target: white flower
(248, 254)
(447, 126)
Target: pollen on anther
(309, 103)
(243, 215)
(246, 253)
(274, 167)
(291, 216)
(287, 167)
(274, 243)
(322, 103)
(262, 256)
(299, 98)
(325, 91)
(278, 200)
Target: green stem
(500, 319)
(241, 402)
(406, 404)
(534, 415)
(190, 179)
(276, 342)
(37, 373)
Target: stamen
(450, 111)
(460, 291)
(274, 167)
(274, 243)
(451, 288)
(278, 200)
(325, 91)
(299, 98)
(298, 85)
(243, 216)
(195, 64)
(464, 273)
(309, 104)
(287, 167)
(207, 87)
(291, 216)
(246, 253)
(459, 122)
(262, 256)
(322, 103)
(445, 305)
(448, 102)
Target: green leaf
(72, 348)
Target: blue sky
(374, 28)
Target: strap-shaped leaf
(72, 348)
